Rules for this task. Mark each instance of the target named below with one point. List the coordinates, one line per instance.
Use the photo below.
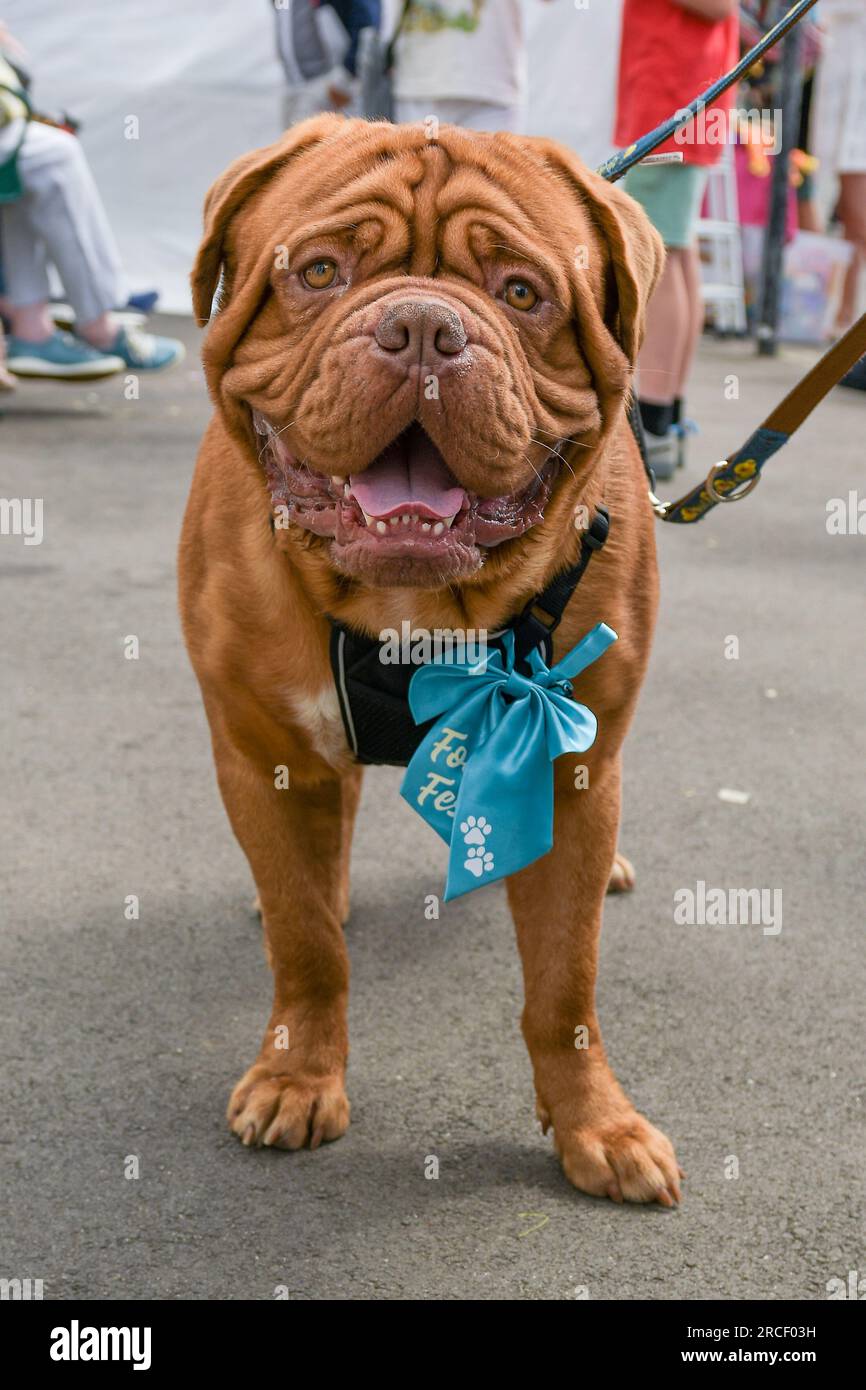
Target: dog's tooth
(449, 521)
(405, 518)
(335, 478)
(347, 491)
(395, 520)
(425, 525)
(368, 520)
(438, 528)
(381, 527)
(414, 516)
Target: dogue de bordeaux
(343, 269)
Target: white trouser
(60, 220)
(474, 115)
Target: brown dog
(462, 313)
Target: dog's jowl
(420, 358)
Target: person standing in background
(840, 133)
(462, 61)
(52, 215)
(670, 51)
(318, 39)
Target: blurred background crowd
(763, 215)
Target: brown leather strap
(826, 373)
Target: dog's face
(420, 342)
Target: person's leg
(61, 219)
(691, 274)
(670, 194)
(668, 331)
(27, 288)
(7, 380)
(64, 212)
(851, 210)
(36, 348)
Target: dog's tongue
(409, 476)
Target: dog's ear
(240, 181)
(637, 260)
(636, 249)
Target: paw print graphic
(475, 831)
(478, 861)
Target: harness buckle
(540, 615)
(659, 507)
(596, 533)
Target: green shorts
(671, 196)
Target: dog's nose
(421, 330)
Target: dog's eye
(320, 275)
(519, 295)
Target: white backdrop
(202, 80)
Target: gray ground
(122, 1038)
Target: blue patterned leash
(736, 476)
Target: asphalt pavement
(121, 1037)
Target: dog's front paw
(287, 1112)
(627, 1159)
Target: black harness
(373, 693)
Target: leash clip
(737, 493)
(659, 507)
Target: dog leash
(620, 163)
(736, 476)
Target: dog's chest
(319, 717)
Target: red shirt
(668, 56)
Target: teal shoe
(144, 352)
(60, 358)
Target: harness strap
(543, 614)
(634, 419)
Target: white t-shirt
(469, 49)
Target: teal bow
(483, 776)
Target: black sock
(678, 410)
(657, 419)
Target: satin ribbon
(483, 775)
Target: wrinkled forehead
(407, 200)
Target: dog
(455, 317)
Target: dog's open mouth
(405, 506)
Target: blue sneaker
(61, 358)
(145, 302)
(144, 352)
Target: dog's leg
(606, 1147)
(294, 1093)
(348, 809)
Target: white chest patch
(319, 717)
